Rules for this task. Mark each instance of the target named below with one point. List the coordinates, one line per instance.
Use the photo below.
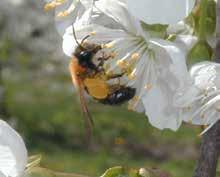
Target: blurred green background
(38, 99)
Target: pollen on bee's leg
(53, 4)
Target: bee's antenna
(74, 35)
(79, 44)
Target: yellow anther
(136, 98)
(62, 14)
(93, 33)
(122, 64)
(131, 76)
(130, 107)
(109, 45)
(135, 56)
(53, 4)
(148, 86)
(133, 103)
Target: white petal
(170, 75)
(158, 107)
(185, 42)
(163, 12)
(173, 56)
(200, 101)
(204, 74)
(13, 153)
(69, 45)
(117, 10)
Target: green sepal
(156, 30)
(201, 51)
(207, 25)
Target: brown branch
(210, 146)
(209, 153)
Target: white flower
(160, 12)
(200, 101)
(13, 153)
(155, 67)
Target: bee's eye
(85, 55)
(85, 58)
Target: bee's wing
(79, 87)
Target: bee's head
(84, 57)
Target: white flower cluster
(155, 65)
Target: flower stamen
(133, 102)
(148, 86)
(62, 14)
(53, 4)
(132, 76)
(69, 10)
(109, 45)
(93, 33)
(122, 64)
(135, 56)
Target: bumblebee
(90, 77)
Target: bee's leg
(114, 76)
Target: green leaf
(156, 30)
(201, 51)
